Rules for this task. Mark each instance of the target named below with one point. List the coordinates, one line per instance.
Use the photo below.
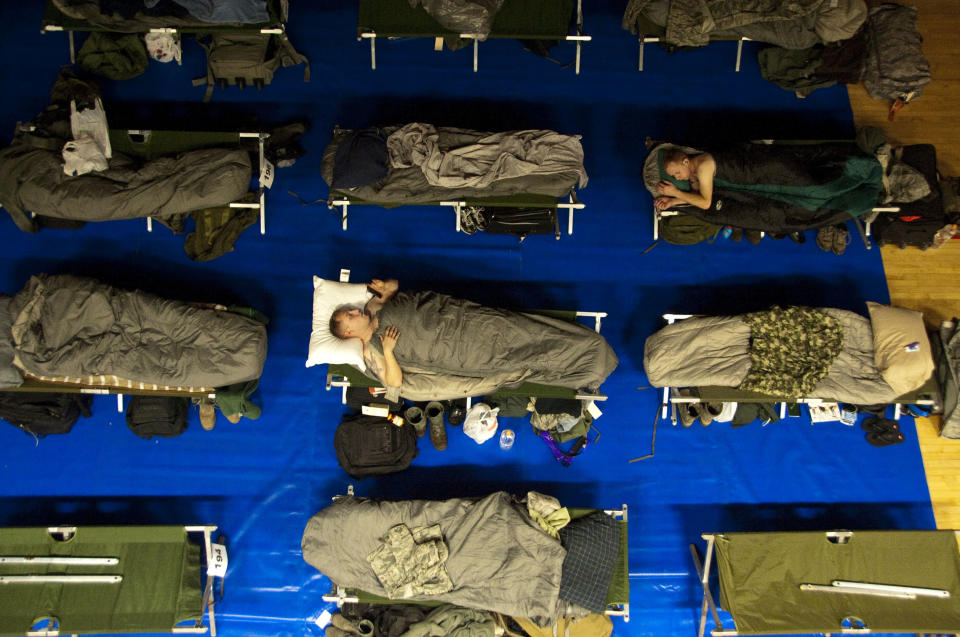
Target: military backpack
(247, 60)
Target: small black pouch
(521, 221)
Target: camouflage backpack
(247, 60)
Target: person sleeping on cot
(433, 343)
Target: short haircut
(673, 155)
(335, 327)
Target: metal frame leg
(704, 572)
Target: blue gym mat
(261, 480)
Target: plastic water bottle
(727, 231)
(506, 439)
(944, 234)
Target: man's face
(679, 170)
(354, 321)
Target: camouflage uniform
(410, 562)
(791, 350)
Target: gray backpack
(247, 60)
(895, 67)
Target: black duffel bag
(42, 414)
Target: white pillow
(328, 296)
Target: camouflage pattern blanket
(714, 351)
(791, 350)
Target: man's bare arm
(392, 375)
(383, 291)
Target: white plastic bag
(83, 155)
(163, 47)
(481, 422)
(91, 122)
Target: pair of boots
(689, 412)
(340, 626)
(432, 413)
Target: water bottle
(726, 232)
(944, 234)
(506, 439)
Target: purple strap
(563, 457)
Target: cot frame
(579, 39)
(866, 218)
(261, 201)
(260, 138)
(341, 595)
(708, 603)
(36, 386)
(343, 202)
(670, 398)
(206, 601)
(277, 26)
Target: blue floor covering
(261, 480)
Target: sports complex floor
(261, 480)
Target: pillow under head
(901, 348)
(325, 347)
(361, 159)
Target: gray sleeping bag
(66, 325)
(714, 351)
(499, 559)
(410, 184)
(32, 180)
(443, 335)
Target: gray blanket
(72, 326)
(795, 25)
(492, 158)
(409, 185)
(202, 12)
(462, 16)
(32, 180)
(441, 335)
(499, 559)
(714, 351)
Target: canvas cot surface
(157, 573)
(761, 574)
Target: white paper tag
(323, 620)
(375, 410)
(266, 173)
(344, 276)
(218, 561)
(593, 410)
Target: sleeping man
(430, 346)
(697, 169)
(776, 188)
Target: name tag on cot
(266, 173)
(217, 566)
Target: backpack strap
(289, 56)
(209, 80)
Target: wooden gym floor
(927, 280)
